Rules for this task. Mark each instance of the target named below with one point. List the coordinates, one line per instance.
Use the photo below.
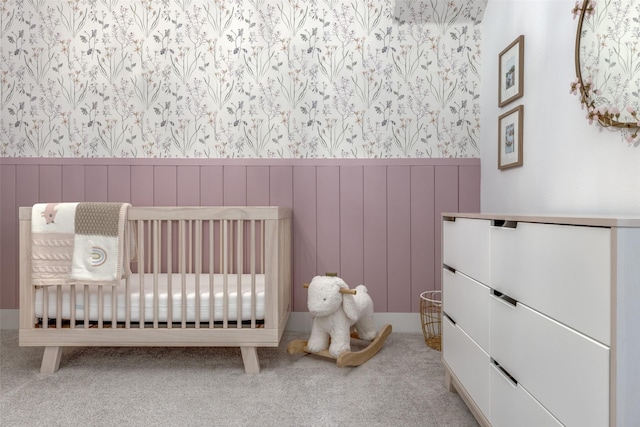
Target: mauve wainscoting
(375, 222)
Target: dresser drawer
(567, 372)
(562, 271)
(466, 247)
(512, 405)
(469, 363)
(467, 303)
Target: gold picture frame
(510, 134)
(511, 72)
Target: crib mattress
(162, 302)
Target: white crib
(202, 276)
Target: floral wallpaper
(240, 78)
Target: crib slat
(169, 274)
(211, 274)
(114, 307)
(72, 306)
(262, 246)
(141, 270)
(127, 283)
(198, 267)
(239, 270)
(220, 240)
(100, 307)
(58, 307)
(182, 239)
(45, 306)
(87, 309)
(156, 255)
(224, 253)
(149, 235)
(190, 243)
(127, 303)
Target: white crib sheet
(162, 304)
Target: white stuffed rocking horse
(340, 314)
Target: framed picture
(511, 72)
(510, 138)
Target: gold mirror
(608, 63)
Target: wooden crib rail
(195, 212)
(208, 212)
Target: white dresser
(541, 323)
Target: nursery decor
(203, 276)
(511, 72)
(340, 314)
(607, 64)
(431, 318)
(510, 138)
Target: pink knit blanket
(79, 243)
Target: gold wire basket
(431, 318)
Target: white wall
(569, 166)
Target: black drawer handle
(503, 297)
(449, 318)
(501, 223)
(451, 269)
(504, 372)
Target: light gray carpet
(403, 385)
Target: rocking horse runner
(336, 310)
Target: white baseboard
(401, 322)
(9, 319)
(298, 321)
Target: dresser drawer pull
(449, 318)
(451, 269)
(449, 218)
(504, 223)
(504, 372)
(504, 297)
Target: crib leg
(250, 359)
(51, 360)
